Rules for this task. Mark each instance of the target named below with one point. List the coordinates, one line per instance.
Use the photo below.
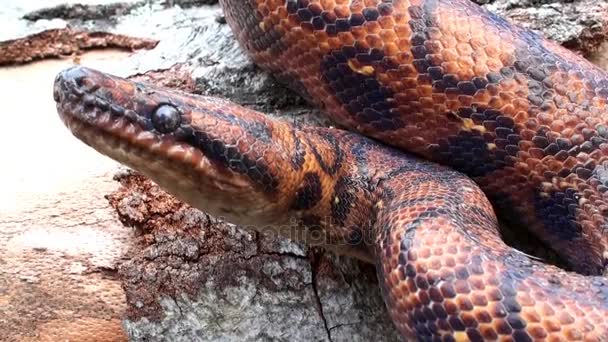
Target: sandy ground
(56, 263)
(38, 153)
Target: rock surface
(187, 276)
(580, 25)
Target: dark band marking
(422, 18)
(558, 213)
(309, 193)
(512, 324)
(299, 151)
(311, 16)
(360, 150)
(365, 99)
(230, 157)
(510, 282)
(468, 152)
(588, 141)
(424, 177)
(331, 146)
(410, 230)
(427, 316)
(428, 200)
(599, 286)
(538, 64)
(342, 200)
(256, 128)
(481, 218)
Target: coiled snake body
(444, 79)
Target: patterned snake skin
(443, 79)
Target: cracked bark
(65, 42)
(315, 290)
(272, 283)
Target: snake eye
(166, 118)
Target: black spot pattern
(468, 152)
(309, 193)
(558, 211)
(362, 95)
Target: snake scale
(445, 80)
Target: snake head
(214, 155)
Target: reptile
(510, 115)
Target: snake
(447, 114)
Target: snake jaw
(115, 117)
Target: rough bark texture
(580, 25)
(185, 275)
(65, 41)
(198, 278)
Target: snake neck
(449, 81)
(316, 185)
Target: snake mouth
(151, 130)
(99, 111)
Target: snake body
(442, 79)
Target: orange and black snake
(443, 79)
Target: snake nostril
(73, 74)
(75, 80)
(72, 77)
(56, 93)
